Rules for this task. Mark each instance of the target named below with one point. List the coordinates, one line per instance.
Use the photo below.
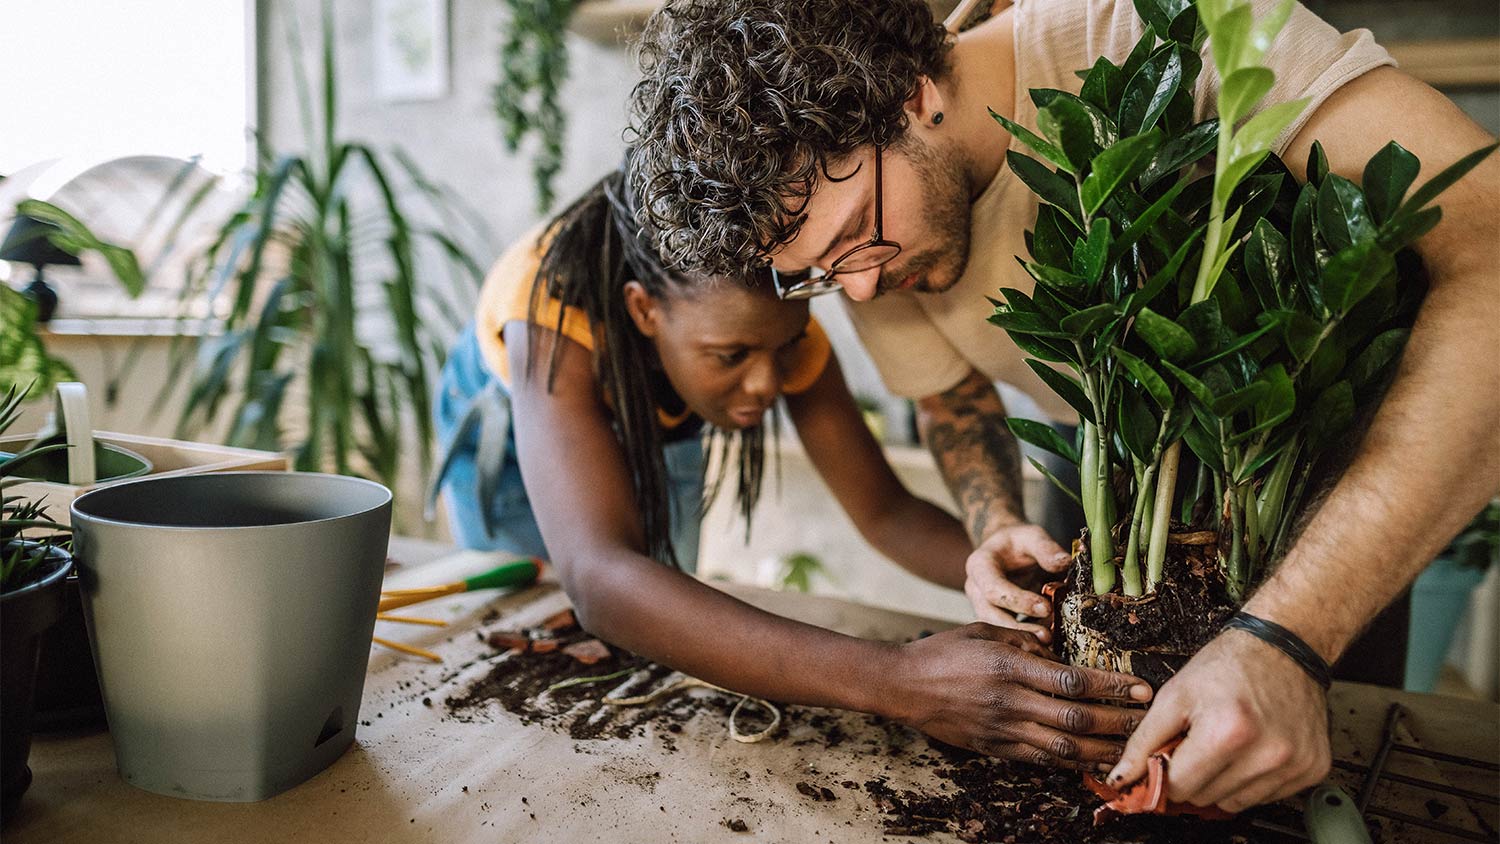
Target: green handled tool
(505, 576)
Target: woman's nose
(762, 381)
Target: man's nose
(860, 286)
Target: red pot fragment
(588, 652)
(560, 621)
(503, 640)
(1147, 795)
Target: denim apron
(480, 479)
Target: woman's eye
(734, 358)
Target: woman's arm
(977, 686)
(917, 534)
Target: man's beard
(947, 209)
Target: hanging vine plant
(533, 65)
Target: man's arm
(1256, 725)
(980, 461)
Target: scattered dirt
(988, 800)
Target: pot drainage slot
(332, 727)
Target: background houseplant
(327, 341)
(533, 65)
(1204, 310)
(32, 575)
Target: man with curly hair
(853, 137)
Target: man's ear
(644, 309)
(925, 103)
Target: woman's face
(725, 348)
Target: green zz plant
(1240, 313)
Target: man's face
(925, 195)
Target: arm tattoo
(977, 455)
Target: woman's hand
(999, 571)
(992, 690)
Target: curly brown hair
(745, 103)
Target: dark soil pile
(1187, 609)
(992, 801)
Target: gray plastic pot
(230, 617)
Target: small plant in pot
(32, 576)
(1195, 293)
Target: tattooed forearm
(976, 454)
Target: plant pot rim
(79, 514)
(45, 581)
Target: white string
(686, 682)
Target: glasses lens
(811, 288)
(867, 257)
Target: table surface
(416, 774)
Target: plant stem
(1131, 569)
(1161, 518)
(1101, 547)
(1237, 544)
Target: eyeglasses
(875, 252)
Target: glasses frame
(815, 285)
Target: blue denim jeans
(480, 479)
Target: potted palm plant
(1238, 312)
(32, 576)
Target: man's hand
(992, 690)
(1003, 571)
(1256, 724)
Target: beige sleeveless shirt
(925, 343)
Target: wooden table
(416, 775)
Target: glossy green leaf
(1194, 385)
(1160, 13)
(1280, 398)
(1445, 179)
(1235, 172)
(1242, 91)
(1104, 85)
(1139, 53)
(1268, 263)
(1260, 132)
(1244, 398)
(1059, 280)
(1387, 177)
(1066, 387)
(1089, 320)
(1049, 244)
(1149, 379)
(1138, 425)
(1163, 277)
(1205, 323)
(1053, 188)
(1148, 91)
(1304, 247)
(1341, 216)
(1405, 229)
(1040, 146)
(1181, 150)
(1103, 128)
(1090, 256)
(1317, 164)
(1043, 436)
(1019, 322)
(1353, 272)
(1116, 167)
(1378, 354)
(1164, 336)
(1244, 341)
(1187, 29)
(1331, 415)
(1227, 36)
(1068, 125)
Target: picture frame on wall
(411, 49)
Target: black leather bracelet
(1285, 641)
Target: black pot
(25, 613)
(67, 686)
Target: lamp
(28, 242)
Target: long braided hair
(593, 249)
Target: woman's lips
(747, 418)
